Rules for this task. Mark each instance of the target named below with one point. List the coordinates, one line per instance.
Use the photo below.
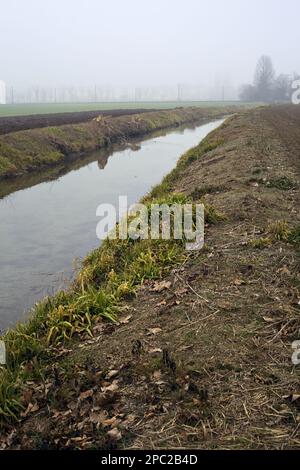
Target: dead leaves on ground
(161, 286)
(153, 331)
(79, 417)
(293, 399)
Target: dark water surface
(43, 228)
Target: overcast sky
(144, 42)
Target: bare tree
(282, 87)
(248, 93)
(264, 78)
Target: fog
(133, 43)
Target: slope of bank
(32, 150)
(10, 124)
(201, 353)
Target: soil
(21, 123)
(201, 359)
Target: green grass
(294, 236)
(283, 183)
(31, 109)
(278, 231)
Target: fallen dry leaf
(115, 434)
(86, 394)
(129, 420)
(268, 319)
(98, 417)
(160, 286)
(154, 331)
(124, 320)
(161, 304)
(292, 398)
(111, 422)
(157, 375)
(155, 350)
(111, 374)
(182, 291)
(31, 408)
(284, 270)
(111, 388)
(239, 282)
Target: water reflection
(50, 219)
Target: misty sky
(139, 42)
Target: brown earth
(201, 359)
(20, 123)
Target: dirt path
(201, 359)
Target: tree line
(267, 86)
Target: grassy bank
(32, 150)
(109, 276)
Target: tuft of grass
(199, 192)
(194, 154)
(279, 230)
(283, 183)
(213, 215)
(294, 236)
(10, 400)
(260, 243)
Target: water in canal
(48, 225)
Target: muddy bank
(180, 350)
(32, 150)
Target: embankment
(32, 150)
(10, 124)
(154, 344)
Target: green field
(29, 109)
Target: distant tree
(248, 93)
(282, 88)
(296, 76)
(264, 78)
(267, 87)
